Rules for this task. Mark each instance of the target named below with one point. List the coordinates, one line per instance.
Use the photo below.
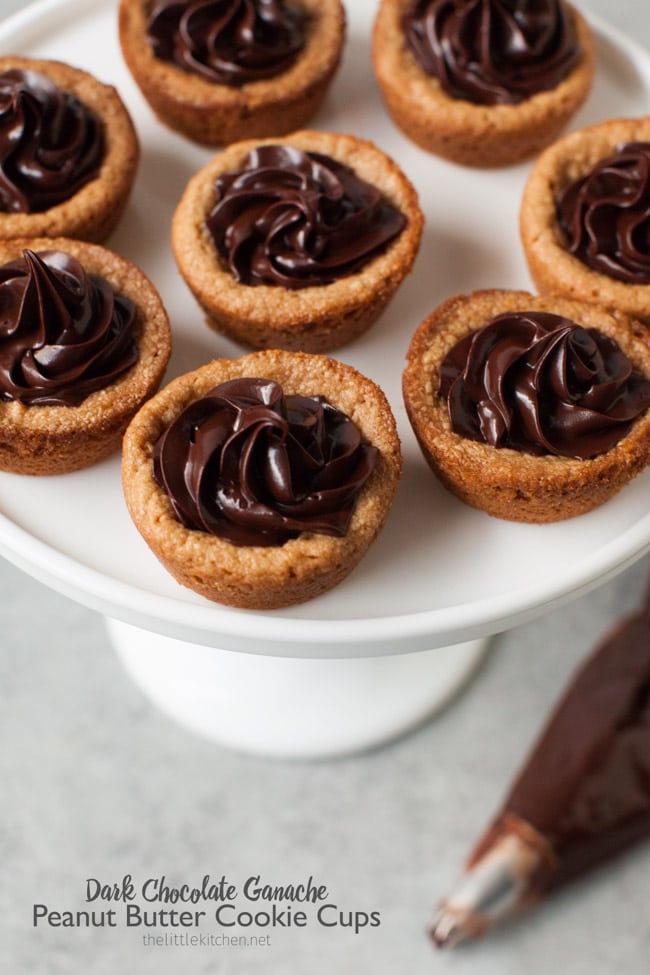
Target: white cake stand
(394, 642)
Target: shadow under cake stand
(347, 671)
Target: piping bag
(582, 797)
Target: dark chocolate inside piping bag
(582, 796)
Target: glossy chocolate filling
(606, 215)
(255, 467)
(298, 219)
(63, 333)
(492, 52)
(542, 384)
(230, 42)
(51, 145)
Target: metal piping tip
(450, 928)
(501, 879)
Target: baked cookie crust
(214, 114)
(312, 319)
(503, 482)
(93, 212)
(551, 266)
(458, 130)
(250, 576)
(55, 439)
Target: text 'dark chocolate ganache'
(298, 219)
(63, 333)
(492, 52)
(229, 42)
(606, 215)
(541, 384)
(51, 145)
(255, 467)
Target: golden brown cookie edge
(261, 577)
(44, 440)
(507, 483)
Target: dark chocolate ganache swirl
(298, 219)
(51, 145)
(256, 467)
(492, 52)
(541, 384)
(606, 215)
(63, 333)
(230, 42)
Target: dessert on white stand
(392, 643)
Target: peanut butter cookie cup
(84, 342)
(68, 152)
(482, 82)
(297, 243)
(532, 408)
(260, 482)
(585, 216)
(232, 69)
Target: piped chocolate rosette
(298, 219)
(84, 341)
(482, 82)
(606, 215)
(63, 333)
(68, 152)
(219, 71)
(532, 408)
(585, 216)
(542, 384)
(297, 243)
(51, 144)
(492, 52)
(228, 42)
(260, 482)
(256, 467)
(581, 798)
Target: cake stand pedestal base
(292, 707)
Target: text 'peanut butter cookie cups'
(84, 341)
(297, 243)
(68, 152)
(585, 216)
(532, 408)
(224, 70)
(482, 82)
(260, 482)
